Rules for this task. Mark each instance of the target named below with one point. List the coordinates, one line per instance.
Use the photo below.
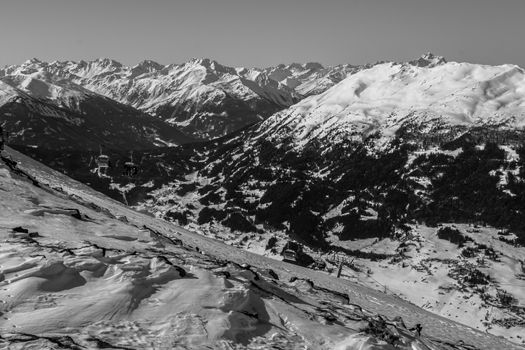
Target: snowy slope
(43, 85)
(434, 273)
(411, 261)
(43, 110)
(451, 151)
(91, 273)
(386, 97)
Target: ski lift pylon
(130, 168)
(102, 163)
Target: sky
(260, 33)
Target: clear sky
(262, 32)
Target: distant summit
(428, 60)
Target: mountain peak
(33, 60)
(107, 62)
(149, 63)
(428, 60)
(206, 62)
(211, 65)
(313, 65)
(295, 65)
(146, 66)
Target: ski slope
(140, 297)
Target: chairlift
(289, 255)
(130, 168)
(102, 163)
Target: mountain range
(202, 98)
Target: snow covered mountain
(378, 161)
(40, 109)
(81, 271)
(438, 99)
(201, 97)
(310, 78)
(415, 167)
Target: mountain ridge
(381, 99)
(47, 112)
(201, 96)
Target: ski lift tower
(130, 168)
(102, 163)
